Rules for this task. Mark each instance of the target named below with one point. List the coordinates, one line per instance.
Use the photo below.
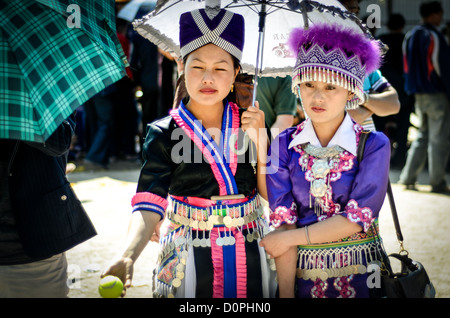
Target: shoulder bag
(412, 281)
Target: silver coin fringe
(324, 263)
(196, 225)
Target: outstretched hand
(123, 269)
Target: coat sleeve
(370, 185)
(279, 186)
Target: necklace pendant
(320, 168)
(319, 188)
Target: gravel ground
(424, 217)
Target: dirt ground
(425, 220)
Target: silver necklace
(320, 169)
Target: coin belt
(336, 260)
(224, 218)
(194, 233)
(324, 274)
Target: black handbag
(412, 281)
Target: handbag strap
(361, 146)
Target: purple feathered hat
(336, 55)
(224, 29)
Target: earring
(232, 87)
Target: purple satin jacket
(355, 189)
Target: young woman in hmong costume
(197, 177)
(324, 203)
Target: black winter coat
(49, 217)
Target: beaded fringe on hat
(324, 74)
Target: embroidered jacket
(351, 189)
(182, 159)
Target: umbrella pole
(262, 22)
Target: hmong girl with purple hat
(198, 180)
(324, 203)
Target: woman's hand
(254, 124)
(123, 269)
(142, 226)
(277, 245)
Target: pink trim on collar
(233, 156)
(234, 131)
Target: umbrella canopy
(266, 55)
(54, 56)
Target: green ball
(110, 287)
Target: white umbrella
(267, 26)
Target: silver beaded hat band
(322, 73)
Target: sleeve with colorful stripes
(146, 201)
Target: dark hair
(396, 21)
(429, 8)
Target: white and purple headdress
(222, 28)
(335, 55)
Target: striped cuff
(146, 201)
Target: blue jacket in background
(426, 61)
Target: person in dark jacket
(427, 70)
(40, 216)
(392, 70)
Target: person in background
(126, 115)
(40, 216)
(278, 102)
(99, 129)
(153, 72)
(396, 126)
(380, 97)
(427, 71)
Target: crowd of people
(417, 66)
(111, 125)
(228, 224)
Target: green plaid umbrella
(54, 56)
